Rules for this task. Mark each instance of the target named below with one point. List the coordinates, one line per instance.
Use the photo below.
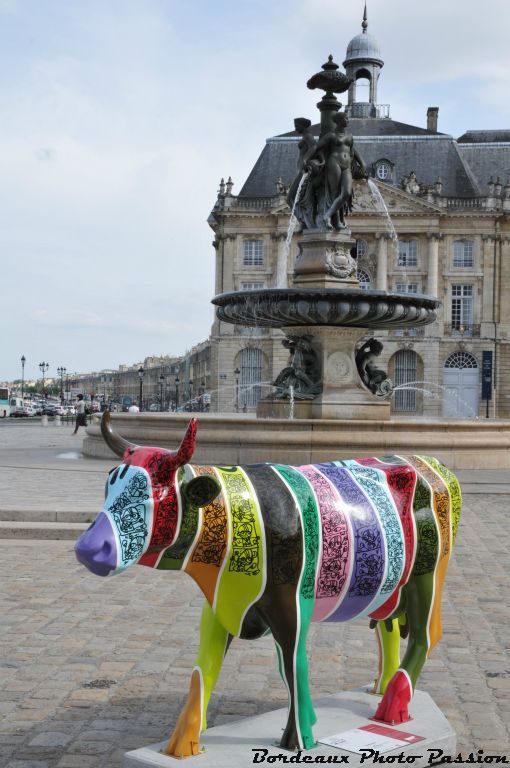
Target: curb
(23, 530)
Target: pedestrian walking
(81, 418)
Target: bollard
(44, 420)
(58, 420)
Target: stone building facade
(449, 203)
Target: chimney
(432, 113)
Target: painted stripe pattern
(242, 579)
(369, 562)
(346, 535)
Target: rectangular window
(253, 253)
(463, 253)
(406, 287)
(462, 306)
(253, 286)
(407, 253)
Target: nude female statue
(304, 208)
(338, 148)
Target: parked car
(70, 410)
(22, 410)
(154, 407)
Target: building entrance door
(461, 380)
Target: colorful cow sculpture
(274, 547)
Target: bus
(5, 407)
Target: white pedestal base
(232, 745)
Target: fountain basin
(238, 439)
(347, 307)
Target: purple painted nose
(96, 548)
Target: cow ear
(201, 490)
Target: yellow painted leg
(185, 740)
(388, 641)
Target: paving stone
(55, 636)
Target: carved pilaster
(433, 264)
(382, 261)
(488, 245)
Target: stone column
(433, 264)
(281, 263)
(504, 283)
(487, 311)
(382, 262)
(229, 265)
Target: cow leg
(214, 641)
(388, 642)
(289, 630)
(394, 705)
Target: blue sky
(119, 117)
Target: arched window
(362, 86)
(406, 366)
(251, 377)
(461, 360)
(364, 279)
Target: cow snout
(96, 549)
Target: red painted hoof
(395, 702)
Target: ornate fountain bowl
(344, 307)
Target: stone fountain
(332, 384)
(324, 314)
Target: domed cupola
(363, 64)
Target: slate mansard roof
(464, 166)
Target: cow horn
(185, 451)
(114, 441)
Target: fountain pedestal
(343, 395)
(325, 261)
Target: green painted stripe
(310, 521)
(243, 576)
(309, 513)
(426, 529)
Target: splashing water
(439, 394)
(382, 207)
(291, 402)
(281, 268)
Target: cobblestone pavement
(91, 668)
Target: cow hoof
(183, 742)
(291, 742)
(394, 707)
(182, 749)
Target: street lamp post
(176, 382)
(141, 374)
(67, 388)
(61, 371)
(237, 373)
(43, 368)
(23, 361)
(161, 385)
